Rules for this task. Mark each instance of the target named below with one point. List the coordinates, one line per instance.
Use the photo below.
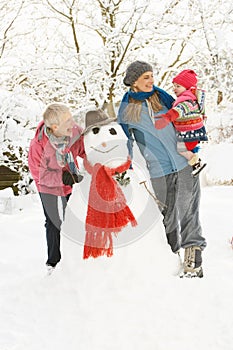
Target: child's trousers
(54, 209)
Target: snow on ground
(219, 169)
(123, 302)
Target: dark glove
(70, 179)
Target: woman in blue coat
(171, 176)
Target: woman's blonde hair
(132, 112)
(54, 114)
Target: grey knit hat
(135, 70)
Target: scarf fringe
(98, 244)
(98, 240)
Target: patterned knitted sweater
(186, 114)
(189, 117)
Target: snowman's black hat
(96, 118)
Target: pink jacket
(43, 164)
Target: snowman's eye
(95, 130)
(112, 131)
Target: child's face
(178, 89)
(65, 127)
(144, 83)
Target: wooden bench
(8, 178)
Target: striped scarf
(63, 154)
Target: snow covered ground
(125, 302)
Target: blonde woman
(170, 173)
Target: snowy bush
(219, 169)
(18, 116)
(220, 124)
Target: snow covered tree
(77, 52)
(18, 115)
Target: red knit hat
(186, 78)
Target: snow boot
(50, 269)
(198, 167)
(194, 159)
(192, 262)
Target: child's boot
(198, 167)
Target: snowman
(110, 207)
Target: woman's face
(144, 83)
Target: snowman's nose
(104, 144)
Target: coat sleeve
(34, 159)
(171, 115)
(43, 166)
(77, 147)
(165, 119)
(81, 149)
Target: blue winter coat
(158, 147)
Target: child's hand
(165, 119)
(161, 123)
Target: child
(187, 117)
(53, 165)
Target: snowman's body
(107, 145)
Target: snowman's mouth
(107, 151)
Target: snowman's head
(104, 140)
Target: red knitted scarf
(107, 210)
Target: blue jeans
(53, 221)
(180, 192)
